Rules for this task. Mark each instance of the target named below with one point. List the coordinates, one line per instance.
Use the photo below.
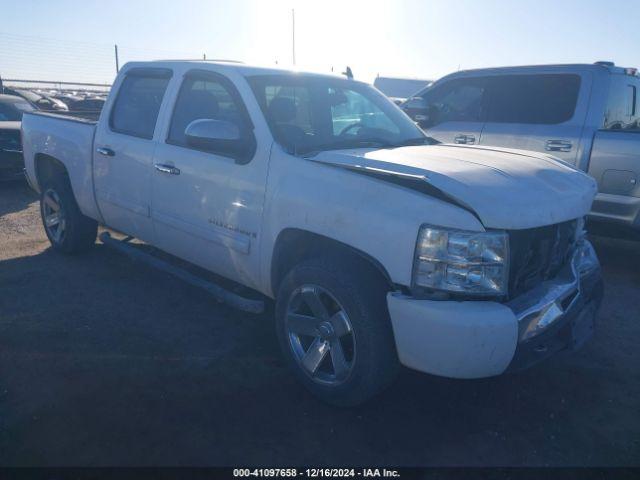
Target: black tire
(360, 292)
(79, 232)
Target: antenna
(293, 35)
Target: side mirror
(221, 137)
(423, 113)
(417, 103)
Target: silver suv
(587, 115)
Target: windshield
(307, 114)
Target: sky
(74, 40)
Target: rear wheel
(334, 329)
(66, 227)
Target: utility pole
(293, 34)
(115, 48)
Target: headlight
(465, 262)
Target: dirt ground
(105, 362)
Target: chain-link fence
(67, 76)
(29, 57)
(26, 57)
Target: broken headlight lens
(458, 261)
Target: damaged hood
(508, 189)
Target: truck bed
(69, 140)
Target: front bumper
(474, 339)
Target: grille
(538, 254)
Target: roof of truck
(601, 66)
(242, 68)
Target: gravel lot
(103, 362)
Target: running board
(219, 293)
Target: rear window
(622, 112)
(532, 99)
(138, 103)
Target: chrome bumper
(559, 313)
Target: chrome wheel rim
(53, 215)
(320, 335)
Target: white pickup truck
(379, 246)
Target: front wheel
(66, 227)
(334, 329)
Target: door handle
(558, 146)
(161, 167)
(464, 139)
(107, 152)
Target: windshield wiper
(417, 141)
(364, 143)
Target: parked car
(68, 99)
(40, 101)
(379, 246)
(399, 89)
(587, 115)
(89, 107)
(11, 110)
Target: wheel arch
(48, 167)
(295, 245)
(72, 230)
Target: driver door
(453, 111)
(207, 206)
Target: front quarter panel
(368, 214)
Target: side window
(532, 99)
(204, 97)
(621, 112)
(290, 105)
(459, 100)
(289, 110)
(138, 103)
